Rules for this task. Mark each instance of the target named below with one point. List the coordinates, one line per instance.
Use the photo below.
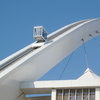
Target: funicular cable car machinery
(40, 34)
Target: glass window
(79, 94)
(92, 94)
(66, 93)
(85, 94)
(72, 94)
(59, 94)
(76, 94)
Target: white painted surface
(35, 64)
(67, 84)
(89, 75)
(53, 94)
(97, 94)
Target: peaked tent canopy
(89, 74)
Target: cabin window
(72, 94)
(85, 94)
(76, 94)
(92, 94)
(66, 94)
(59, 94)
(79, 94)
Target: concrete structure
(86, 87)
(33, 61)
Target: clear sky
(18, 17)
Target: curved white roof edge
(36, 63)
(46, 45)
(50, 36)
(21, 53)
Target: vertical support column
(88, 94)
(69, 95)
(53, 94)
(75, 93)
(62, 94)
(82, 94)
(97, 93)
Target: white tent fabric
(89, 75)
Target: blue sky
(18, 17)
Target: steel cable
(97, 41)
(66, 65)
(85, 53)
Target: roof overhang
(42, 87)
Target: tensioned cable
(94, 38)
(85, 53)
(66, 65)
